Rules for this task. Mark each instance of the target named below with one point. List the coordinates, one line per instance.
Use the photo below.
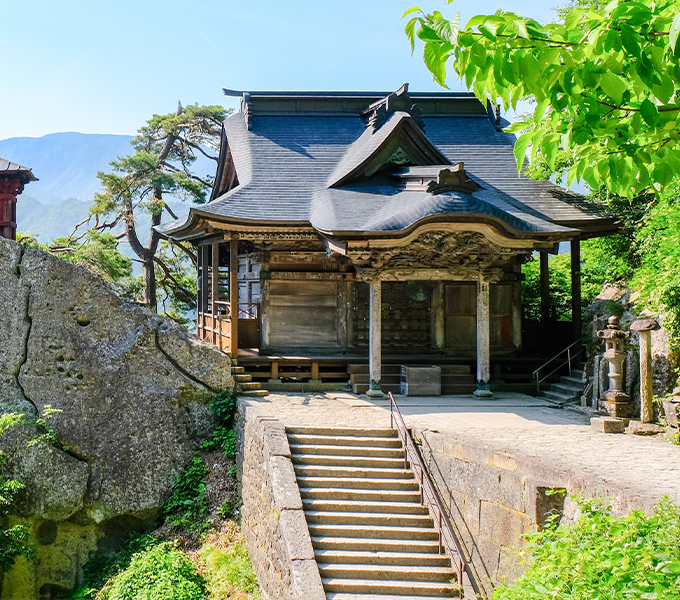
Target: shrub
(601, 557)
(159, 573)
(187, 504)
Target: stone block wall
(273, 521)
(491, 502)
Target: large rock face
(132, 388)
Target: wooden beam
(233, 296)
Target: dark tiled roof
(286, 163)
(8, 168)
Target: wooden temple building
(350, 228)
(13, 178)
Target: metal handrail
(430, 498)
(568, 361)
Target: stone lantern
(615, 401)
(644, 327)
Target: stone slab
(608, 424)
(639, 428)
(421, 380)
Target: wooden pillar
(375, 338)
(545, 286)
(438, 322)
(483, 344)
(576, 287)
(233, 296)
(205, 251)
(517, 315)
(214, 280)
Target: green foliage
(98, 253)
(226, 509)
(622, 131)
(601, 557)
(15, 541)
(187, 505)
(103, 566)
(176, 279)
(223, 439)
(223, 407)
(160, 572)
(596, 269)
(228, 568)
(658, 277)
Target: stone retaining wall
(273, 521)
(492, 502)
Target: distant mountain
(66, 164)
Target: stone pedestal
(483, 347)
(421, 380)
(375, 339)
(615, 402)
(644, 327)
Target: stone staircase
(245, 386)
(568, 390)
(372, 538)
(456, 379)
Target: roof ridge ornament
(379, 112)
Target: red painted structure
(13, 177)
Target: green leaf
(674, 33)
(614, 86)
(649, 113)
(521, 28)
(411, 10)
(435, 62)
(427, 34)
(520, 149)
(410, 30)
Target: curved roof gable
(375, 148)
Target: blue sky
(105, 66)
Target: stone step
(334, 432)
(237, 370)
(250, 385)
(572, 381)
(387, 572)
(348, 461)
(382, 587)
(344, 441)
(373, 531)
(352, 472)
(368, 519)
(391, 369)
(374, 545)
(387, 486)
(557, 396)
(388, 506)
(242, 378)
(344, 596)
(382, 558)
(346, 451)
(254, 393)
(567, 390)
(577, 373)
(363, 495)
(362, 388)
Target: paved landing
(527, 432)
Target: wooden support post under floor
(483, 343)
(375, 338)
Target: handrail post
(569, 359)
(538, 383)
(439, 511)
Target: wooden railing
(216, 327)
(448, 539)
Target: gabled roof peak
(399, 141)
(378, 112)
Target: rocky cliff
(131, 389)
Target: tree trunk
(149, 280)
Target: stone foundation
(491, 502)
(273, 521)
